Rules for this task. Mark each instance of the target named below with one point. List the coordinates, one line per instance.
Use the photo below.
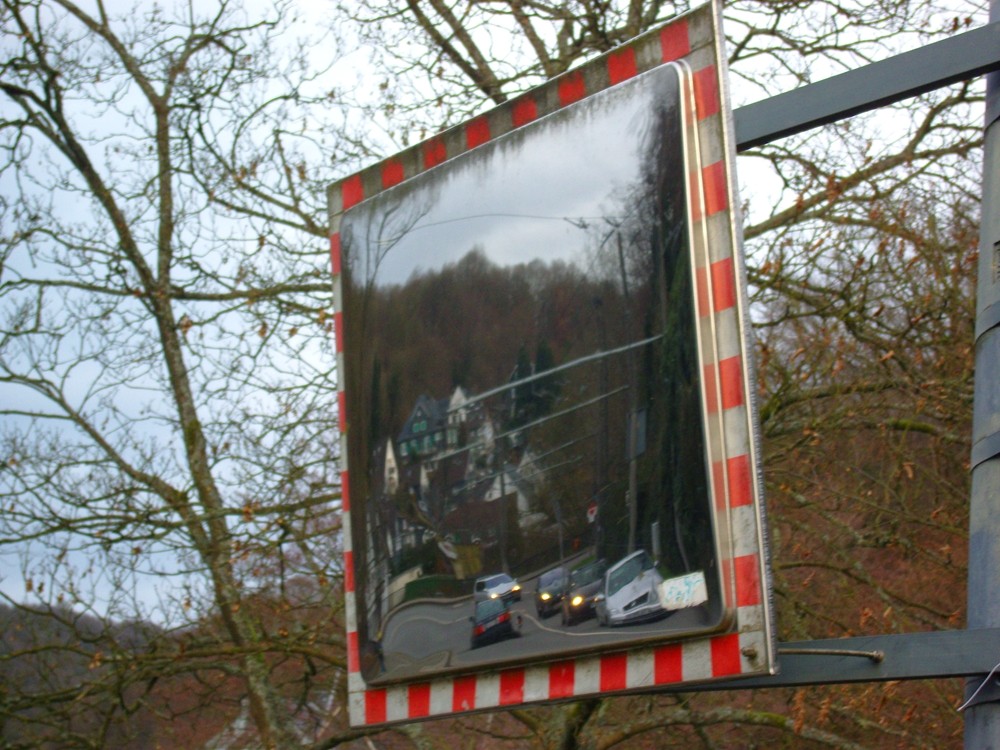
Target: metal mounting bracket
(957, 58)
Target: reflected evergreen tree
(548, 388)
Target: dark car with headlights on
(584, 585)
(492, 621)
(550, 591)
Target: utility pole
(982, 717)
(632, 438)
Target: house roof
(433, 412)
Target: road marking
(411, 620)
(600, 633)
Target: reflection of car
(550, 591)
(584, 584)
(499, 586)
(492, 620)
(631, 591)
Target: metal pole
(633, 419)
(982, 717)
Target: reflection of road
(427, 637)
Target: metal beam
(877, 658)
(958, 58)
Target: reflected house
(424, 432)
(509, 484)
(529, 481)
(388, 531)
(445, 482)
(445, 447)
(481, 502)
(399, 532)
(435, 426)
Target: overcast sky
(521, 197)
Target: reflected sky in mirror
(534, 193)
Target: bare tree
(169, 397)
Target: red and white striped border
(748, 648)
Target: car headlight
(516, 587)
(577, 600)
(494, 595)
(546, 596)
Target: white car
(497, 586)
(631, 591)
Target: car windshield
(497, 580)
(627, 571)
(552, 578)
(489, 609)
(587, 574)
